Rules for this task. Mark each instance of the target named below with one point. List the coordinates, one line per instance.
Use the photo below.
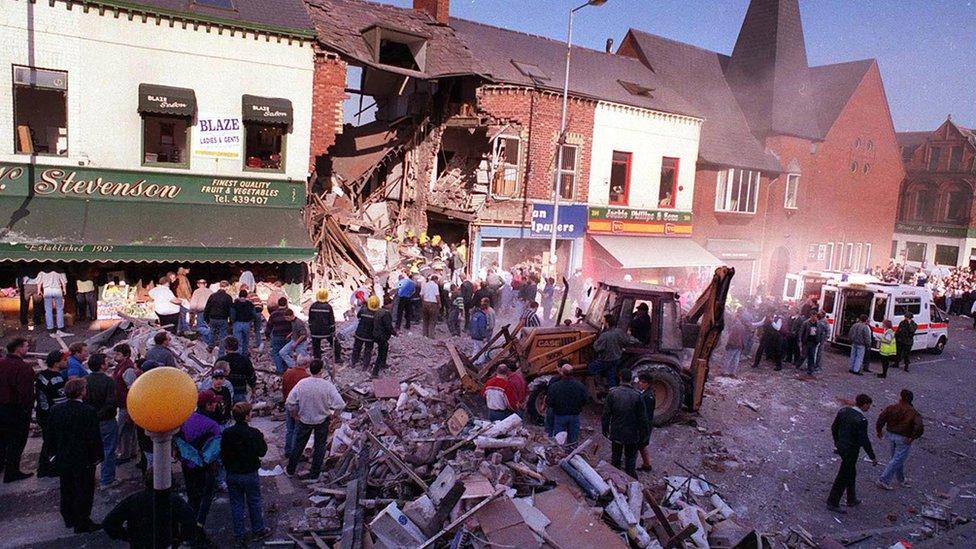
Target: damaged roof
(514, 57)
(279, 16)
(340, 25)
(697, 75)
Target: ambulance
(844, 302)
(805, 283)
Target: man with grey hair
(565, 398)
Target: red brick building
(935, 212)
(798, 163)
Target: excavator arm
(709, 313)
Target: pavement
(773, 465)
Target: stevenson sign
(119, 185)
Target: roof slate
(697, 75)
(339, 24)
(832, 87)
(593, 74)
(280, 15)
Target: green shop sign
(931, 230)
(113, 252)
(130, 186)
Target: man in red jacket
(500, 395)
(16, 399)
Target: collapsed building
(460, 138)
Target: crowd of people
(797, 335)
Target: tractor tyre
(536, 405)
(669, 392)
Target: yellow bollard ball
(161, 399)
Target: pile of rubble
(192, 355)
(410, 466)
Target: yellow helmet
(424, 238)
(414, 270)
(436, 240)
(409, 233)
(373, 303)
(322, 295)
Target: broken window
(165, 140)
(264, 146)
(508, 154)
(397, 49)
(566, 174)
(619, 178)
(40, 111)
(636, 89)
(668, 189)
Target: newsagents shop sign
(571, 224)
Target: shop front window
(915, 251)
(40, 111)
(165, 140)
(620, 178)
(264, 146)
(946, 255)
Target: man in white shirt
(51, 285)
(165, 304)
(430, 296)
(312, 402)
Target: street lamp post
(160, 401)
(557, 180)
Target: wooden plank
(462, 518)
(661, 517)
(352, 532)
(395, 458)
(678, 539)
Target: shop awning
(167, 100)
(648, 252)
(61, 229)
(266, 110)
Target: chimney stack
(609, 45)
(440, 10)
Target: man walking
(430, 295)
(278, 330)
(321, 325)
(850, 432)
(76, 445)
(383, 330)
(242, 317)
(624, 423)
(241, 450)
(216, 314)
(49, 387)
(860, 335)
(904, 427)
(362, 347)
(312, 402)
(16, 399)
(810, 342)
(904, 339)
(565, 398)
(734, 345)
(100, 395)
(125, 447)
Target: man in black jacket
(241, 450)
(362, 347)
(240, 372)
(321, 325)
(624, 422)
(644, 382)
(905, 338)
(131, 520)
(565, 398)
(76, 445)
(850, 432)
(383, 330)
(100, 395)
(216, 313)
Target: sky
(926, 48)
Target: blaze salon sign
(616, 220)
(119, 185)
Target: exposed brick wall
(538, 113)
(438, 9)
(328, 93)
(834, 203)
